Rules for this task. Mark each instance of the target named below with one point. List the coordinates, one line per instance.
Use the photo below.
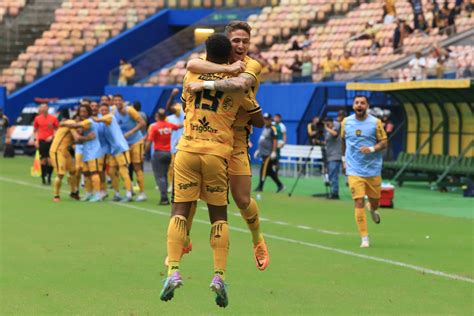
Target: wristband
(343, 159)
(372, 149)
(208, 85)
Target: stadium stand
(10, 8)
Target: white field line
(293, 241)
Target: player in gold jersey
(200, 170)
(62, 161)
(248, 79)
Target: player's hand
(195, 87)
(127, 135)
(365, 150)
(174, 92)
(255, 154)
(236, 68)
(273, 155)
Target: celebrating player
(62, 161)
(200, 169)
(363, 138)
(238, 32)
(130, 123)
(119, 158)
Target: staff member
(160, 135)
(44, 127)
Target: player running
(91, 152)
(200, 169)
(238, 32)
(363, 139)
(119, 158)
(62, 161)
(131, 123)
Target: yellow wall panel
(425, 122)
(467, 126)
(437, 142)
(453, 128)
(412, 131)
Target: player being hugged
(363, 138)
(200, 169)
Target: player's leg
(43, 160)
(357, 186)
(72, 178)
(115, 180)
(170, 172)
(137, 156)
(49, 165)
(271, 171)
(103, 178)
(263, 173)
(121, 162)
(373, 189)
(95, 170)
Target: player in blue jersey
(363, 139)
(105, 147)
(131, 123)
(119, 157)
(91, 151)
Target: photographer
(316, 131)
(332, 140)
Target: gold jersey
(210, 116)
(62, 139)
(242, 127)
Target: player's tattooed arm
(243, 82)
(200, 66)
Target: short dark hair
(218, 49)
(88, 109)
(105, 96)
(118, 95)
(238, 25)
(362, 96)
(137, 105)
(103, 104)
(278, 114)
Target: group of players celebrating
(107, 136)
(219, 102)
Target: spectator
(160, 136)
(296, 69)
(374, 47)
(295, 45)
(346, 62)
(417, 7)
(126, 73)
(138, 106)
(399, 34)
(418, 67)
(333, 146)
(431, 64)
(307, 69)
(328, 66)
(275, 68)
(423, 26)
(341, 115)
(451, 20)
(267, 150)
(44, 126)
(440, 68)
(176, 117)
(390, 11)
(307, 41)
(4, 123)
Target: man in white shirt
(418, 66)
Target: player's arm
(169, 102)
(78, 138)
(255, 112)
(273, 155)
(201, 66)
(107, 119)
(138, 119)
(243, 82)
(381, 140)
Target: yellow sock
(175, 241)
(88, 184)
(113, 174)
(123, 170)
(361, 222)
(250, 215)
(141, 180)
(73, 182)
(95, 179)
(57, 186)
(220, 246)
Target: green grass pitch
(74, 258)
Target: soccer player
(248, 79)
(363, 138)
(119, 157)
(91, 151)
(44, 126)
(131, 123)
(62, 161)
(104, 146)
(160, 135)
(200, 169)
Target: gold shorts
(362, 186)
(94, 165)
(122, 159)
(239, 164)
(137, 152)
(62, 162)
(200, 176)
